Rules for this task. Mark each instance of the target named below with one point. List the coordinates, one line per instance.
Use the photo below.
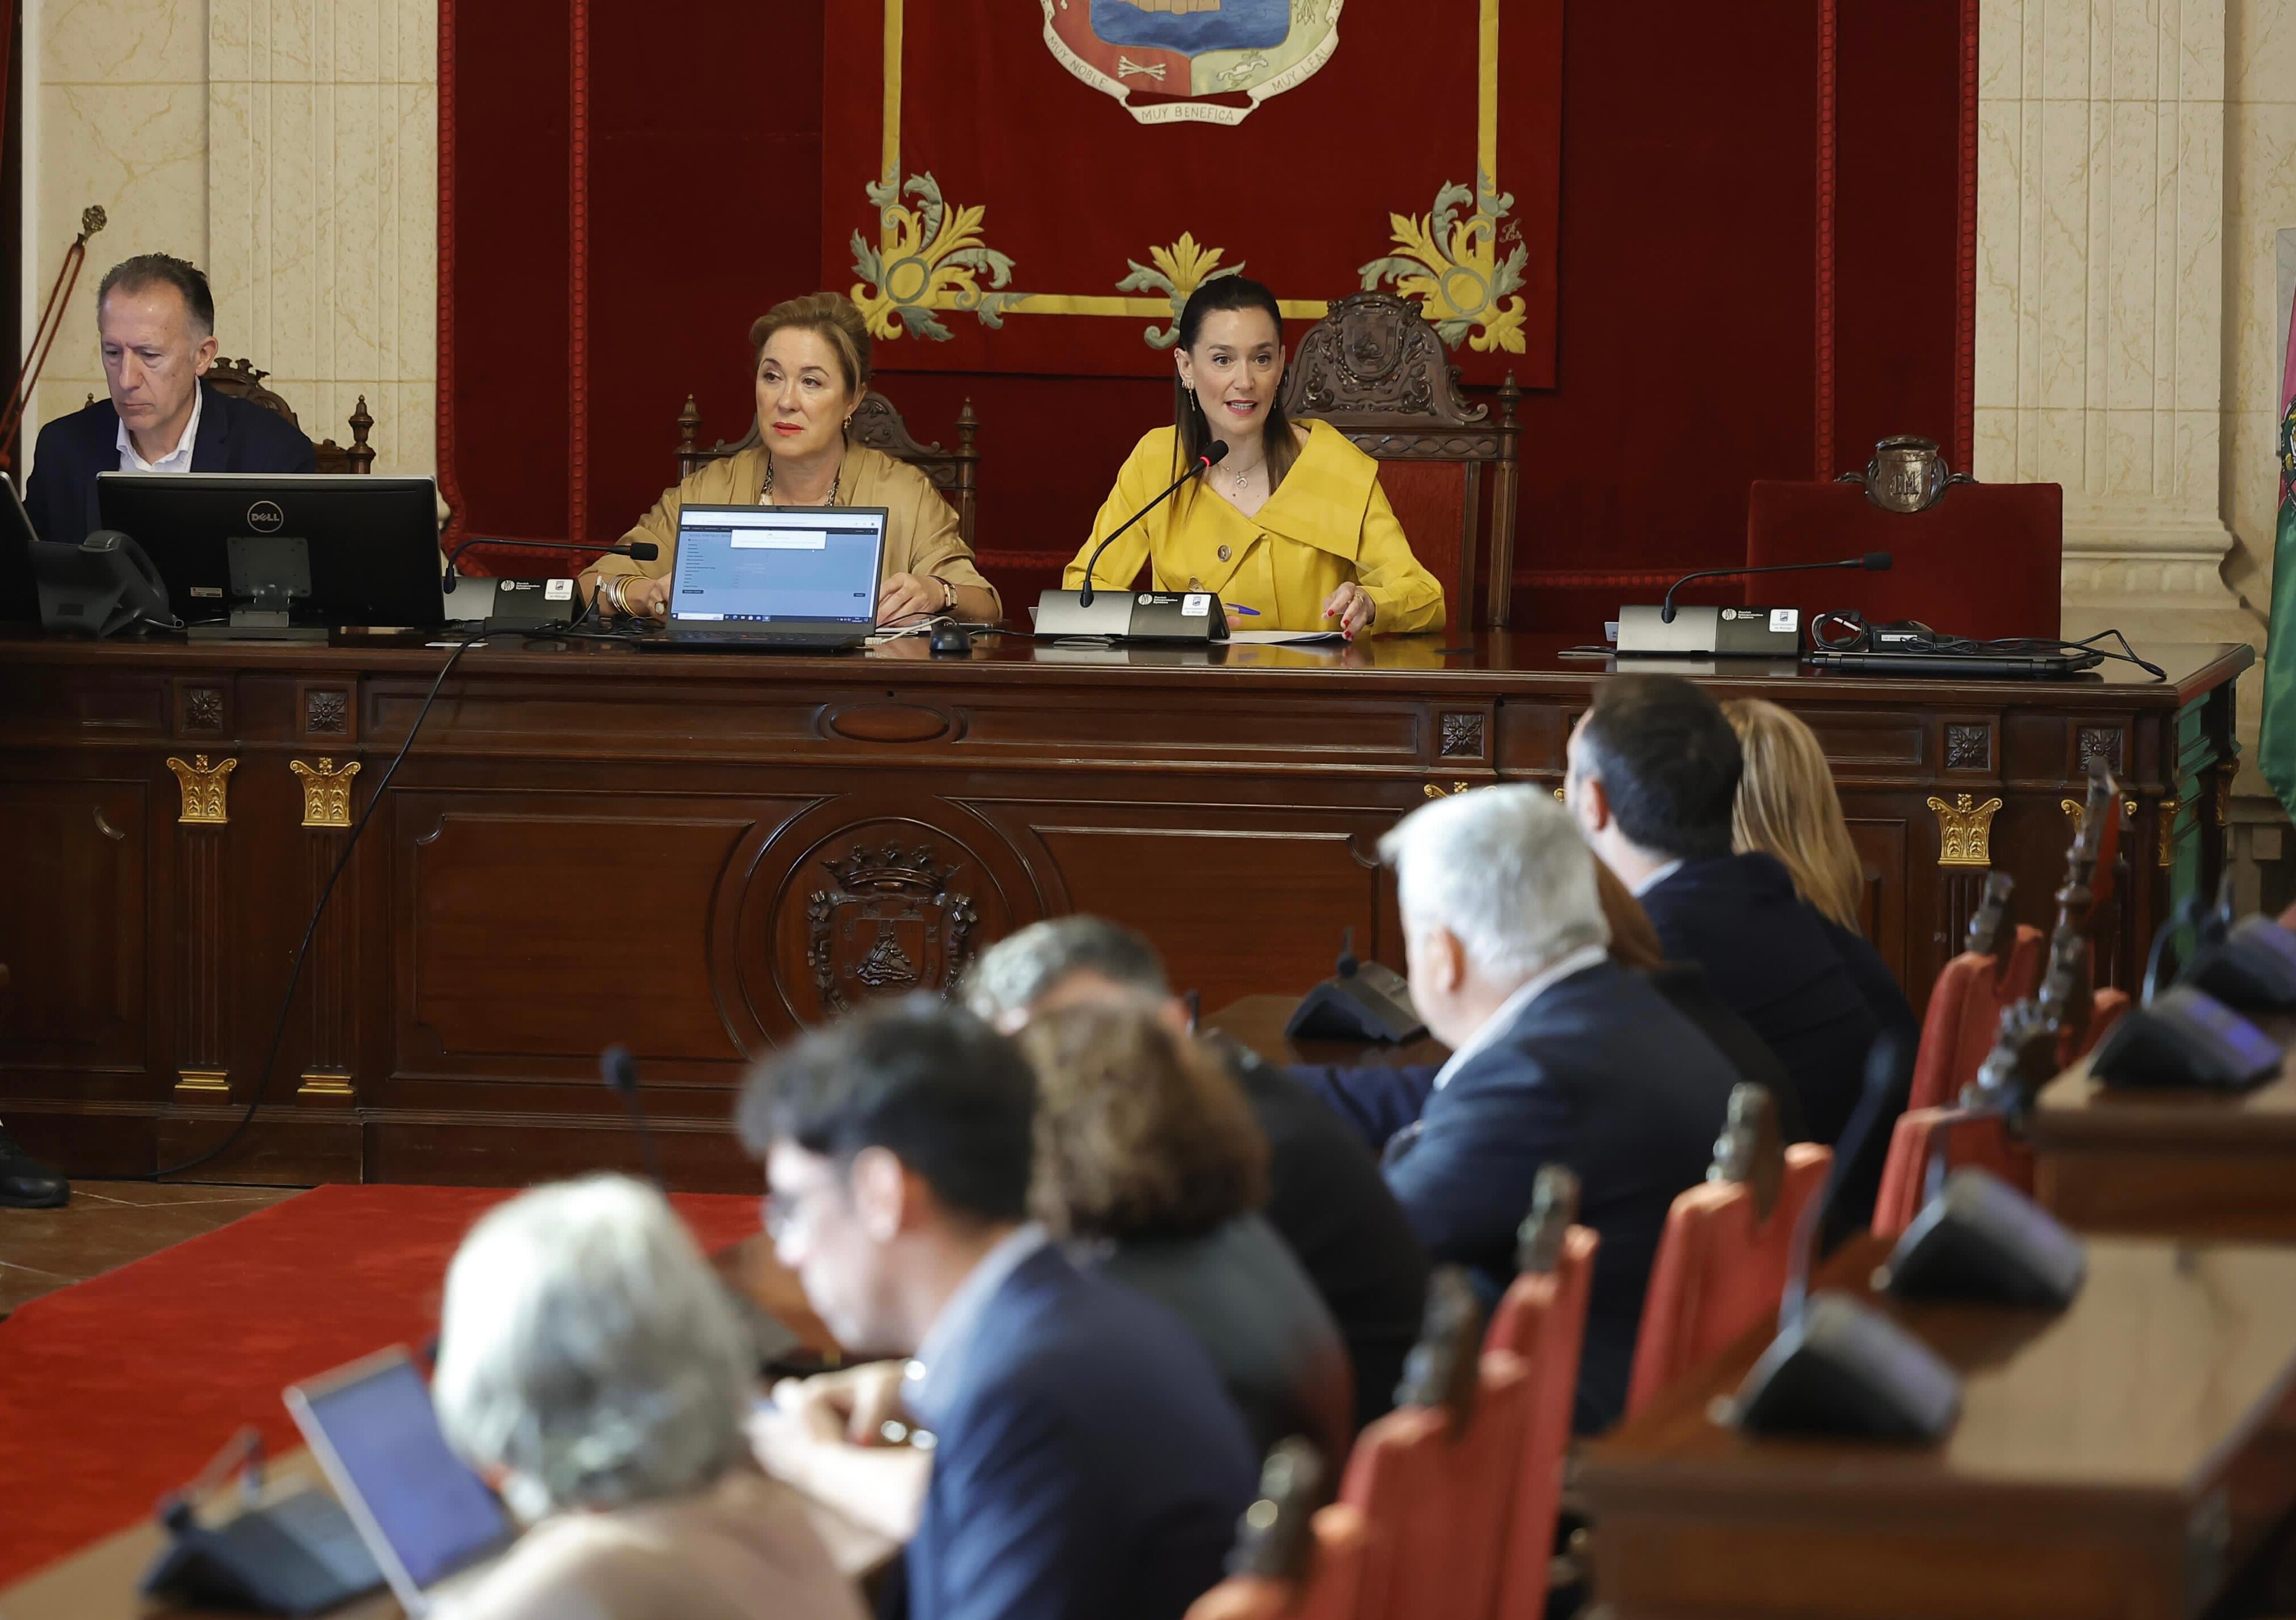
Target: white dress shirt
(1651, 881)
(1493, 1027)
(179, 459)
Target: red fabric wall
(1687, 361)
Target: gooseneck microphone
(619, 1071)
(1209, 459)
(1872, 562)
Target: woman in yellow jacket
(1291, 523)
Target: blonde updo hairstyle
(1787, 807)
(832, 316)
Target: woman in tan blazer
(812, 369)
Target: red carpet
(118, 1390)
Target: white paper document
(1281, 638)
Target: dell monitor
(271, 556)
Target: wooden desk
(2120, 1460)
(2189, 1165)
(699, 854)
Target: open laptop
(431, 1523)
(776, 578)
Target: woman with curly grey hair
(592, 1366)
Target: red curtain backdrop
(1688, 265)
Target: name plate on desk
(1771, 633)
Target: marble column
(2099, 300)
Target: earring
(849, 424)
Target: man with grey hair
(1558, 1056)
(591, 1363)
(155, 319)
(1325, 1198)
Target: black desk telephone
(1363, 1001)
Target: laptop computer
(774, 578)
(431, 1523)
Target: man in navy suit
(156, 318)
(1089, 1464)
(1654, 772)
(1558, 1056)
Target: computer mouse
(952, 639)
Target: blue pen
(1247, 613)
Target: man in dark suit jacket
(1325, 1197)
(1559, 1056)
(1088, 1463)
(1653, 771)
(156, 318)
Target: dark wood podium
(699, 854)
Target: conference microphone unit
(1143, 615)
(1769, 632)
(619, 1071)
(536, 606)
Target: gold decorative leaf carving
(1964, 830)
(206, 789)
(327, 791)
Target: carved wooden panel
(549, 926)
(1236, 911)
(1969, 747)
(201, 710)
(327, 713)
(330, 976)
(74, 927)
(204, 959)
(1881, 843)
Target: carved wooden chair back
(1927, 1144)
(243, 379)
(1376, 370)
(878, 424)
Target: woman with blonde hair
(1150, 1167)
(1787, 807)
(811, 372)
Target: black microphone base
(1761, 633)
(534, 605)
(1132, 616)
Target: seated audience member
(591, 1363)
(1787, 806)
(1326, 1198)
(1087, 1463)
(1653, 781)
(1559, 1056)
(1634, 944)
(156, 320)
(1151, 1169)
(811, 373)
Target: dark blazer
(1329, 1204)
(1767, 956)
(235, 437)
(1600, 1074)
(1089, 1467)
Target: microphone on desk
(637, 550)
(530, 605)
(1759, 632)
(1189, 616)
(619, 1071)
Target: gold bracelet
(612, 585)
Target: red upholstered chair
(1541, 1318)
(1964, 1015)
(2105, 1008)
(1984, 561)
(1435, 1479)
(1331, 1589)
(1376, 370)
(1721, 1263)
(1929, 1143)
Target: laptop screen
(436, 1514)
(766, 565)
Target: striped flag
(2277, 749)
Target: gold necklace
(764, 495)
(1243, 474)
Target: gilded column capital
(1964, 830)
(206, 789)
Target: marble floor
(109, 1223)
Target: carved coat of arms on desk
(888, 924)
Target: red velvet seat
(1439, 1506)
(1964, 1018)
(1542, 1318)
(1332, 1590)
(1958, 1137)
(2105, 1008)
(1718, 1270)
(1984, 561)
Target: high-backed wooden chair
(1376, 370)
(243, 379)
(1294, 1558)
(1435, 1479)
(1723, 1256)
(879, 425)
(1929, 1144)
(2001, 966)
